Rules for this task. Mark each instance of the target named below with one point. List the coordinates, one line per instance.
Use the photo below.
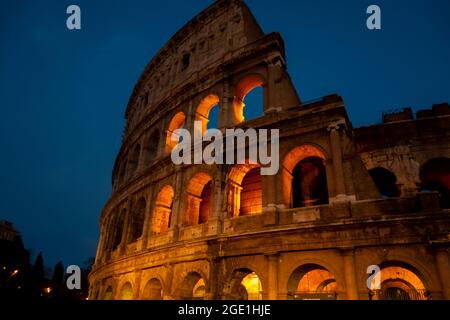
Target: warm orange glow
(153, 290)
(194, 199)
(241, 90)
(177, 122)
(252, 192)
(246, 85)
(163, 210)
(399, 274)
(253, 286)
(204, 108)
(199, 289)
(127, 292)
(318, 281)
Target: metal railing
(399, 294)
(307, 295)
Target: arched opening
(244, 284)
(252, 102)
(163, 210)
(386, 182)
(151, 147)
(199, 290)
(126, 293)
(137, 221)
(117, 228)
(108, 294)
(192, 287)
(133, 162)
(205, 204)
(153, 290)
(213, 118)
(251, 193)
(309, 183)
(398, 281)
(208, 112)
(198, 199)
(312, 282)
(177, 122)
(244, 190)
(435, 176)
(305, 177)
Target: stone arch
(177, 122)
(126, 291)
(312, 281)
(426, 275)
(108, 294)
(153, 290)
(198, 199)
(108, 225)
(151, 147)
(386, 182)
(304, 171)
(203, 110)
(244, 187)
(398, 281)
(117, 228)
(162, 212)
(243, 284)
(133, 162)
(192, 287)
(435, 176)
(241, 89)
(137, 220)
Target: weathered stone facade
(344, 199)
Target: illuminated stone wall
(226, 232)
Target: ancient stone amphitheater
(344, 199)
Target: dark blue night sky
(63, 93)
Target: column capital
(336, 126)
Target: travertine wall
(151, 236)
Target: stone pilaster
(443, 266)
(349, 273)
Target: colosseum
(345, 201)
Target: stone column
(213, 290)
(177, 207)
(101, 243)
(167, 290)
(161, 150)
(336, 153)
(272, 274)
(443, 266)
(141, 162)
(350, 276)
(215, 215)
(137, 285)
(229, 117)
(236, 200)
(126, 227)
(269, 191)
(190, 118)
(147, 218)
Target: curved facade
(342, 200)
